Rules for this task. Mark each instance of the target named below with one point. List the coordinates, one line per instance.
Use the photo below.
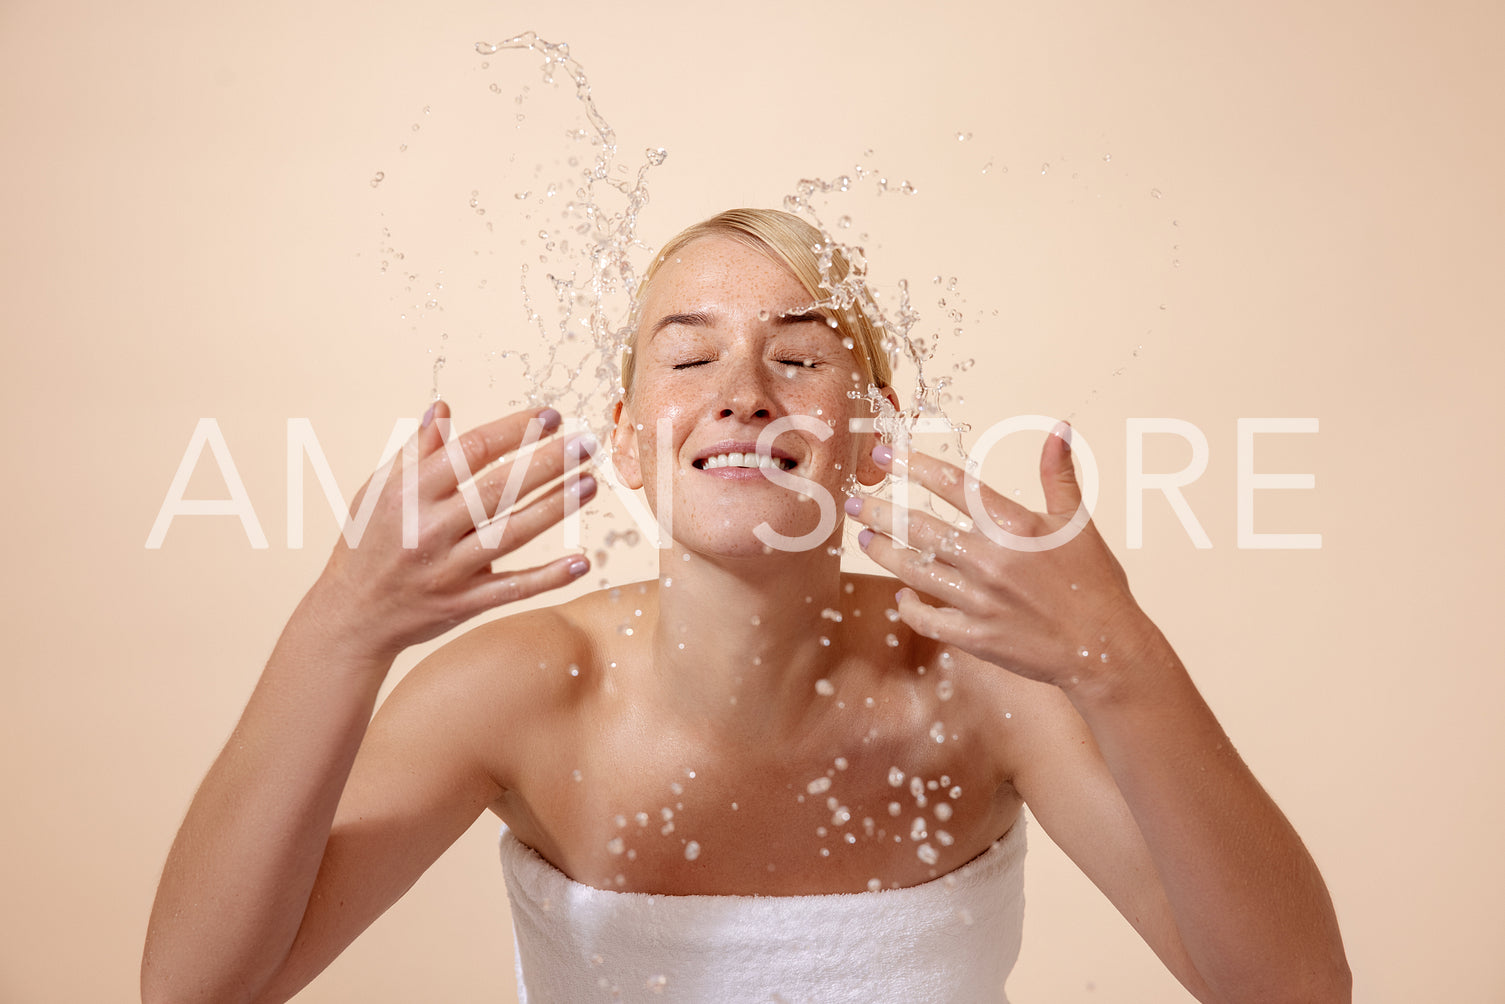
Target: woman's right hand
(422, 565)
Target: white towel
(952, 939)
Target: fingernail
(428, 416)
(581, 446)
(550, 419)
(853, 506)
(579, 567)
(1063, 429)
(863, 538)
(582, 488)
(883, 454)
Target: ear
(869, 473)
(624, 448)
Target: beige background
(189, 230)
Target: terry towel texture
(953, 939)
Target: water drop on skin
(692, 851)
(895, 777)
(824, 687)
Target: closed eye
(693, 362)
(808, 364)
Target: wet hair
(790, 241)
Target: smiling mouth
(749, 460)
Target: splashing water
(578, 286)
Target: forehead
(719, 272)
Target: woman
(731, 782)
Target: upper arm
(1065, 781)
(418, 783)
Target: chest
(873, 801)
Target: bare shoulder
(497, 686)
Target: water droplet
(944, 689)
(927, 854)
(692, 851)
(615, 845)
(943, 811)
(819, 785)
(824, 687)
(376, 179)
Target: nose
(744, 393)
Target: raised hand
(1046, 599)
(423, 564)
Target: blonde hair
(791, 242)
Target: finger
(467, 455)
(492, 589)
(1063, 495)
(913, 568)
(911, 528)
(484, 544)
(424, 440)
(949, 482)
(429, 436)
(946, 624)
(505, 486)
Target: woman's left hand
(1058, 610)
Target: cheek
(671, 418)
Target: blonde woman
(758, 777)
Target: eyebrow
(700, 319)
(697, 319)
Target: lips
(742, 455)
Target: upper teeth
(745, 460)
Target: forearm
(1248, 902)
(237, 880)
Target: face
(728, 348)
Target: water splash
(905, 348)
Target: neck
(743, 642)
